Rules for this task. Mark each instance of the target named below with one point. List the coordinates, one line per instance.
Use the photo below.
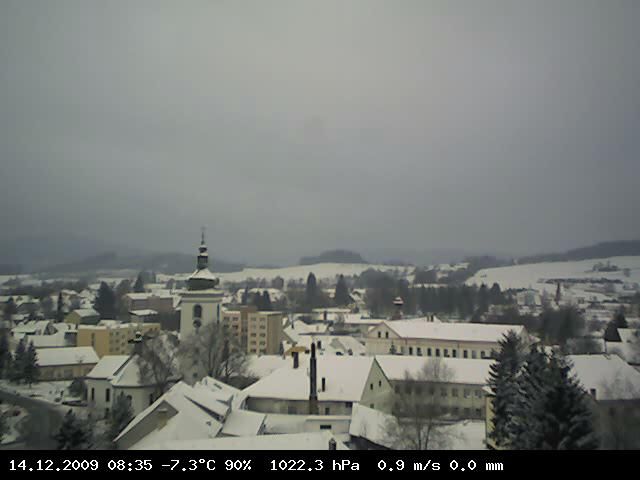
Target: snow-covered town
(364, 228)
(351, 357)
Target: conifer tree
(5, 353)
(266, 302)
(105, 303)
(121, 415)
(73, 434)
(311, 291)
(341, 295)
(30, 372)
(523, 431)
(16, 367)
(502, 381)
(60, 309)
(138, 287)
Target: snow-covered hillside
(534, 275)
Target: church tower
(201, 302)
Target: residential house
(65, 363)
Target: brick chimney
(296, 359)
(313, 385)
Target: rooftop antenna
(203, 231)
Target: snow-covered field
(534, 275)
(297, 272)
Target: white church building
(201, 302)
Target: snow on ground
(46, 391)
(533, 275)
(14, 415)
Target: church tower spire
(203, 255)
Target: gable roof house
(324, 385)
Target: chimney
(313, 387)
(296, 359)
(324, 385)
(162, 418)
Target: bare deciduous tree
(417, 422)
(212, 351)
(158, 363)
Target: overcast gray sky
(289, 127)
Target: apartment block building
(111, 337)
(257, 332)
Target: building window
(348, 404)
(482, 354)
(465, 354)
(419, 351)
(325, 427)
(474, 354)
(386, 334)
(371, 386)
(429, 352)
(379, 334)
(107, 395)
(455, 353)
(150, 398)
(327, 411)
(478, 393)
(443, 392)
(291, 410)
(478, 414)
(410, 350)
(593, 392)
(93, 394)
(380, 383)
(454, 392)
(446, 352)
(197, 311)
(371, 406)
(437, 352)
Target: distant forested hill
(334, 256)
(601, 250)
(158, 262)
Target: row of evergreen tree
(537, 403)
(22, 365)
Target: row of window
(446, 410)
(431, 390)
(445, 352)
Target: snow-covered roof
(86, 312)
(107, 366)
(32, 327)
(144, 312)
(263, 365)
(462, 370)
(610, 376)
(345, 380)
(190, 421)
(243, 423)
(466, 332)
(51, 357)
(295, 441)
(138, 296)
